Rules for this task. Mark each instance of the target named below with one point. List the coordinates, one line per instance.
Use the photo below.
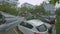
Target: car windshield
(41, 28)
(44, 20)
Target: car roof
(35, 22)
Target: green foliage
(8, 7)
(54, 1)
(58, 12)
(40, 9)
(33, 13)
(58, 24)
(58, 21)
(24, 9)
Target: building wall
(28, 5)
(50, 8)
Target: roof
(35, 22)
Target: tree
(58, 21)
(54, 1)
(34, 13)
(8, 7)
(58, 12)
(24, 9)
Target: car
(32, 27)
(49, 19)
(50, 22)
(2, 19)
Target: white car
(32, 27)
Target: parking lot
(12, 31)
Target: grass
(58, 25)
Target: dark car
(50, 20)
(2, 19)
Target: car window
(44, 20)
(41, 28)
(27, 25)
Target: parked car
(52, 21)
(32, 27)
(49, 19)
(2, 19)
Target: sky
(33, 2)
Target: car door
(26, 28)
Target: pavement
(12, 31)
